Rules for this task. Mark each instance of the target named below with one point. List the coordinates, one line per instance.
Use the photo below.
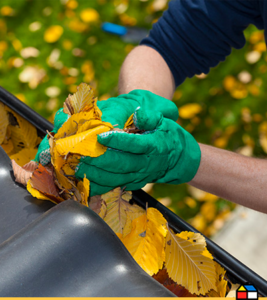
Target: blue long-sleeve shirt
(194, 35)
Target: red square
(241, 295)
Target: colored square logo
(247, 291)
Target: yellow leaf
(35, 193)
(72, 125)
(129, 122)
(207, 253)
(63, 181)
(76, 25)
(263, 142)
(57, 160)
(3, 123)
(128, 224)
(24, 156)
(118, 207)
(89, 15)
(221, 283)
(186, 265)
(190, 202)
(84, 188)
(71, 4)
(24, 134)
(103, 210)
(92, 124)
(53, 33)
(201, 195)
(146, 240)
(199, 222)
(221, 142)
(82, 100)
(84, 143)
(71, 163)
(239, 91)
(229, 83)
(208, 210)
(188, 111)
(7, 11)
(8, 146)
(137, 234)
(260, 47)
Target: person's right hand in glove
(165, 152)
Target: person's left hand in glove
(165, 152)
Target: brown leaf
(179, 290)
(163, 278)
(98, 205)
(42, 180)
(82, 100)
(21, 175)
(31, 166)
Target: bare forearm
(144, 68)
(232, 176)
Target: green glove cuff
(189, 161)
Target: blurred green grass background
(48, 47)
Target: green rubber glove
(115, 110)
(43, 154)
(164, 153)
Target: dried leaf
(35, 193)
(179, 290)
(57, 160)
(93, 123)
(186, 265)
(74, 124)
(64, 182)
(129, 122)
(31, 166)
(3, 123)
(24, 134)
(232, 292)
(84, 187)
(221, 283)
(163, 278)
(21, 175)
(84, 143)
(82, 100)
(24, 156)
(98, 205)
(145, 229)
(118, 207)
(8, 146)
(43, 181)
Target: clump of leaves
(181, 262)
(77, 137)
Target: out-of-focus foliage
(48, 47)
